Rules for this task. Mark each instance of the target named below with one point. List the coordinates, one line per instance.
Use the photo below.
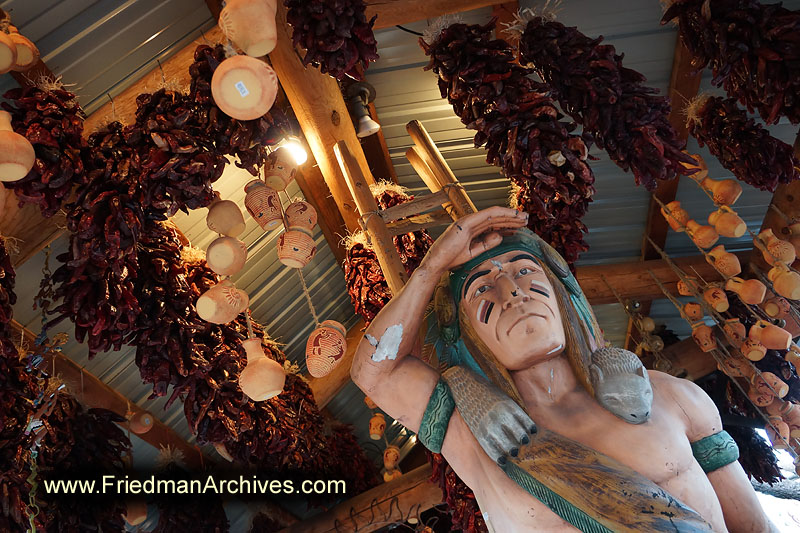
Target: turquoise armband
(715, 451)
(437, 415)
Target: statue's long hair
(579, 342)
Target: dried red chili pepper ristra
(751, 48)
(52, 121)
(625, 117)
(742, 146)
(336, 35)
(517, 120)
(18, 388)
(78, 442)
(364, 278)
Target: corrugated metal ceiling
(102, 46)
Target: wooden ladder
(447, 202)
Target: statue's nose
(509, 291)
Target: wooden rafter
(378, 507)
(787, 199)
(398, 12)
(92, 392)
(684, 84)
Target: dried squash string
(721, 355)
(707, 310)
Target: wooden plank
(384, 247)
(378, 507)
(92, 392)
(687, 355)
(420, 222)
(425, 172)
(327, 387)
(632, 280)
(428, 151)
(417, 206)
(321, 111)
(328, 216)
(394, 12)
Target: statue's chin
(536, 355)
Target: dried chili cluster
(625, 117)
(95, 279)
(751, 48)
(52, 121)
(246, 139)
(366, 284)
(336, 35)
(516, 118)
(741, 145)
(79, 443)
(18, 389)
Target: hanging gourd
(774, 249)
(724, 262)
(225, 217)
(703, 236)
(777, 307)
(280, 169)
(727, 222)
(8, 53)
(735, 331)
(715, 297)
(262, 378)
(141, 422)
(770, 335)
(377, 425)
(325, 348)
(750, 291)
(244, 87)
(222, 303)
(250, 24)
(296, 248)
(676, 216)
(16, 152)
(391, 457)
(703, 336)
(27, 53)
(302, 215)
(226, 255)
(724, 192)
(784, 281)
(263, 204)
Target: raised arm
(402, 385)
(740, 506)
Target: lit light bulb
(296, 148)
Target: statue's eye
(482, 289)
(524, 272)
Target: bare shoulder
(689, 402)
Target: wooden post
(322, 113)
(382, 241)
(441, 171)
(425, 172)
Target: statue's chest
(657, 449)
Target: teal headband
(523, 240)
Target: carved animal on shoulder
(621, 384)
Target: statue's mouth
(523, 318)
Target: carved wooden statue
(551, 431)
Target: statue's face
(514, 310)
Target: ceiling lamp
(359, 95)
(297, 149)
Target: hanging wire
(163, 77)
(250, 334)
(308, 296)
(721, 360)
(398, 26)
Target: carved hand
(472, 235)
(497, 422)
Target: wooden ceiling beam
(378, 507)
(92, 392)
(684, 84)
(633, 281)
(399, 12)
